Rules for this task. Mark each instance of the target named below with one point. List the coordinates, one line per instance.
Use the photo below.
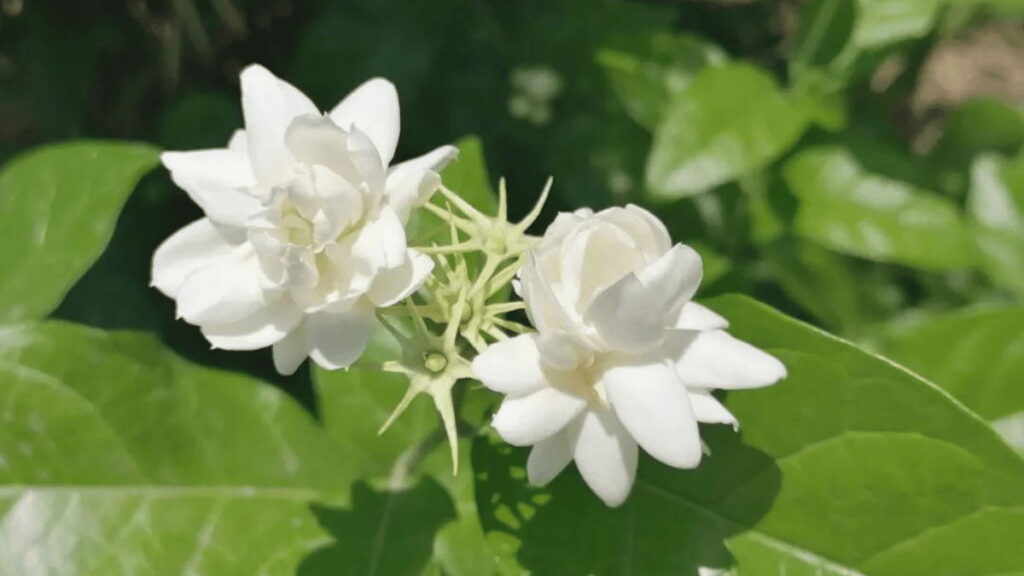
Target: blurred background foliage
(854, 163)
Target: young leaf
(851, 466)
(729, 121)
(120, 458)
(58, 206)
(846, 208)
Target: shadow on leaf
(382, 533)
(675, 522)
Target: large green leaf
(996, 209)
(846, 208)
(981, 361)
(119, 458)
(731, 120)
(58, 206)
(405, 465)
(850, 466)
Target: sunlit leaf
(729, 121)
(846, 208)
(119, 458)
(58, 207)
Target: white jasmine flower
(304, 230)
(621, 358)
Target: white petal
(411, 183)
(265, 327)
(586, 266)
(563, 351)
(606, 456)
(693, 316)
(317, 141)
(714, 359)
(674, 278)
(655, 407)
(526, 420)
(632, 314)
(511, 366)
(225, 291)
(338, 339)
(646, 229)
(367, 160)
(381, 242)
(548, 458)
(543, 307)
(395, 284)
(709, 410)
(194, 246)
(269, 106)
(621, 318)
(291, 351)
(373, 108)
(239, 142)
(216, 180)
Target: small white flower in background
(621, 356)
(304, 230)
(533, 90)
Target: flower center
(435, 362)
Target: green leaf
(885, 22)
(981, 125)
(386, 532)
(826, 27)
(119, 458)
(730, 121)
(846, 208)
(981, 364)
(831, 286)
(647, 81)
(849, 466)
(995, 206)
(58, 207)
(412, 454)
